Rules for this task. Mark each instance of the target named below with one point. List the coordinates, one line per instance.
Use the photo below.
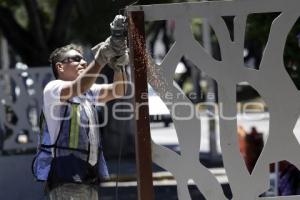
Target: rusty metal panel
(139, 77)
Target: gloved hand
(114, 46)
(108, 49)
(117, 63)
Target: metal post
(138, 59)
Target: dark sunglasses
(70, 59)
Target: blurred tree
(257, 33)
(33, 28)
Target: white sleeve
(52, 107)
(52, 92)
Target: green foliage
(47, 12)
(10, 3)
(21, 17)
(291, 54)
(91, 18)
(39, 26)
(88, 24)
(196, 24)
(258, 28)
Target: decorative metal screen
(21, 100)
(271, 81)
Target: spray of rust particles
(154, 72)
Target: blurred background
(31, 29)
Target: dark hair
(57, 55)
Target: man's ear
(59, 67)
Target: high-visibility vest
(67, 160)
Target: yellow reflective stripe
(74, 129)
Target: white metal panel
(271, 81)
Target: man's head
(67, 62)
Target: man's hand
(105, 51)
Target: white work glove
(117, 63)
(105, 51)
